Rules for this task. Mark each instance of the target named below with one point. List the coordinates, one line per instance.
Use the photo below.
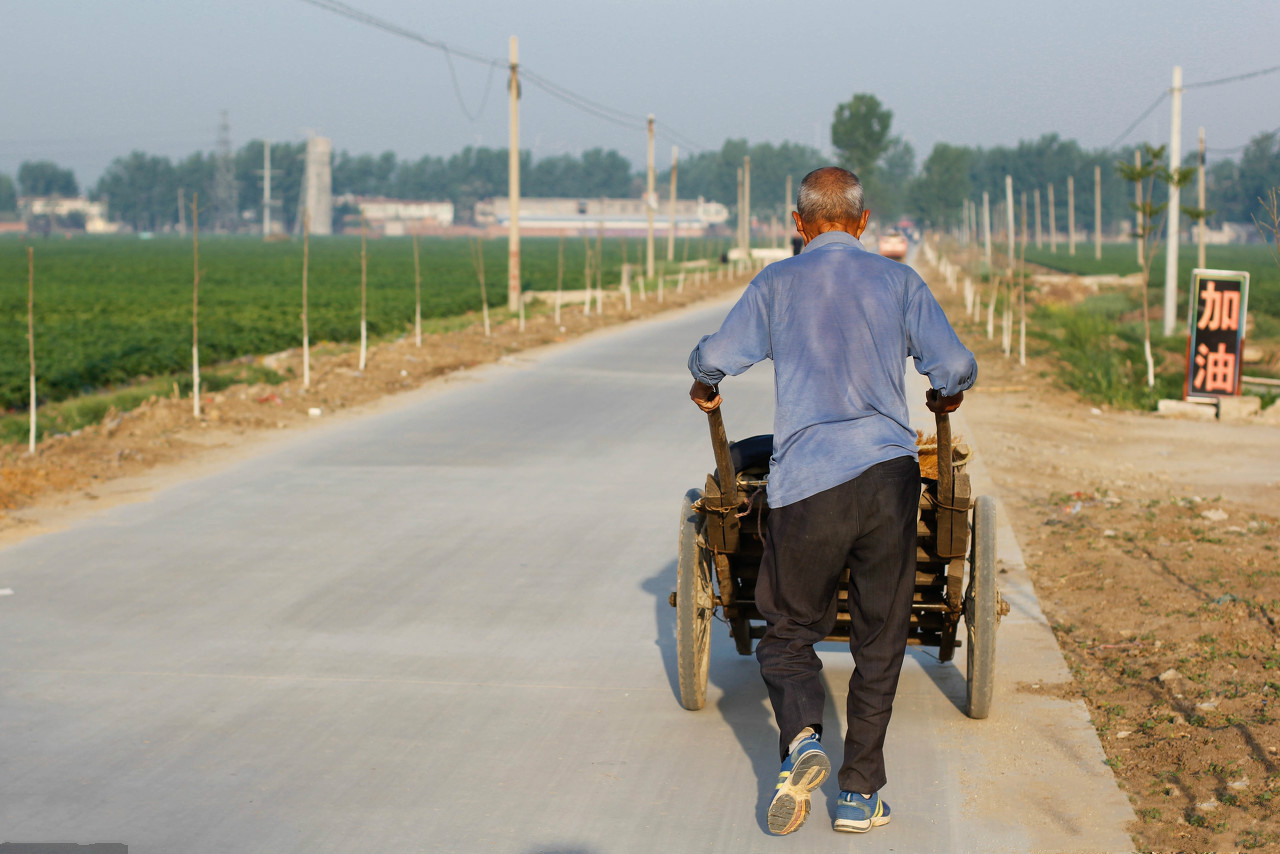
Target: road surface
(444, 627)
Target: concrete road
(445, 628)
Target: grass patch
(84, 411)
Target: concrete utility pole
(267, 203)
(1039, 239)
(1024, 221)
(513, 185)
(671, 237)
(1137, 214)
(1175, 208)
(182, 212)
(738, 238)
(1097, 212)
(986, 227)
(1071, 214)
(1053, 224)
(266, 189)
(1200, 232)
(746, 203)
(788, 205)
(650, 203)
(1008, 203)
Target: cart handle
(724, 462)
(946, 474)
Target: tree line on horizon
(142, 189)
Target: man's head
(830, 199)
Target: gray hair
(830, 194)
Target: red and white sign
(1219, 301)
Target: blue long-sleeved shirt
(838, 322)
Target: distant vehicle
(893, 244)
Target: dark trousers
(869, 525)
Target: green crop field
(110, 310)
(1264, 274)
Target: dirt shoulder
(1152, 544)
(129, 456)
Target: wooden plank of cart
(721, 540)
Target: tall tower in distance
(226, 196)
(317, 185)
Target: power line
(1246, 76)
(578, 101)
(1219, 82)
(1157, 102)
(1238, 148)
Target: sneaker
(803, 770)
(856, 814)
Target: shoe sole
(860, 827)
(790, 805)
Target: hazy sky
(88, 80)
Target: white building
(615, 216)
(397, 217)
(94, 213)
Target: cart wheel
(694, 609)
(980, 610)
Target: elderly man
(838, 322)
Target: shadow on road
(743, 703)
(944, 674)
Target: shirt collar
(829, 237)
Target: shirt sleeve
(933, 344)
(743, 340)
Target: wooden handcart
(721, 544)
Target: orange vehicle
(893, 244)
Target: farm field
(111, 310)
(1264, 279)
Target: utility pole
(650, 204)
(746, 203)
(182, 212)
(788, 203)
(738, 239)
(1097, 212)
(1024, 222)
(1053, 225)
(513, 184)
(1039, 238)
(1175, 208)
(266, 189)
(671, 236)
(1008, 203)
(1200, 232)
(1071, 214)
(986, 227)
(1137, 212)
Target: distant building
(397, 217)
(64, 209)
(317, 186)
(616, 216)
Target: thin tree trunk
(417, 295)
(306, 334)
(364, 277)
(195, 306)
(31, 340)
(559, 280)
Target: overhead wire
(576, 100)
(1235, 78)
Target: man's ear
(795, 216)
(862, 222)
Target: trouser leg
(882, 564)
(805, 548)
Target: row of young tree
(142, 189)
